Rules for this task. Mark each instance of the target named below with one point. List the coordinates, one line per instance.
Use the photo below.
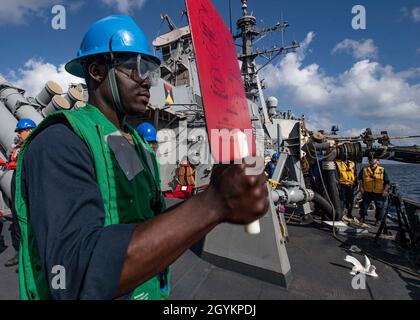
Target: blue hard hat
(147, 131)
(25, 124)
(118, 30)
(275, 156)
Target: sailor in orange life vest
(186, 174)
(347, 180)
(374, 186)
(23, 129)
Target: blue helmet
(275, 156)
(118, 32)
(147, 131)
(25, 124)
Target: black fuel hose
(332, 187)
(324, 204)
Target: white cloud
(308, 85)
(371, 92)
(352, 132)
(76, 6)
(125, 6)
(35, 73)
(415, 13)
(318, 121)
(358, 49)
(17, 11)
(410, 73)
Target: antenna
(244, 7)
(183, 13)
(250, 34)
(168, 19)
(282, 30)
(230, 15)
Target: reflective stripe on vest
(373, 181)
(346, 173)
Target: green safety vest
(93, 128)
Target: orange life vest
(373, 180)
(186, 176)
(346, 172)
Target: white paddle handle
(254, 227)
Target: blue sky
(372, 79)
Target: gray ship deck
(318, 267)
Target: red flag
(225, 104)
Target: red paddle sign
(225, 105)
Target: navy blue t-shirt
(67, 215)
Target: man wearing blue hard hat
(98, 214)
(271, 165)
(23, 129)
(148, 132)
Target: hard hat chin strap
(114, 89)
(113, 81)
(115, 93)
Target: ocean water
(408, 178)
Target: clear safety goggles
(139, 68)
